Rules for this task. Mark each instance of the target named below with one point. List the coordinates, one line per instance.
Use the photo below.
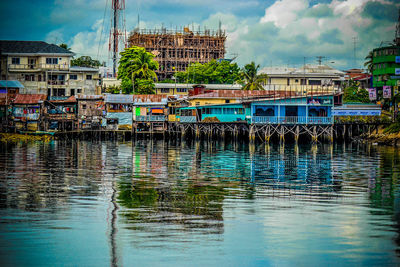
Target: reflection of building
(175, 50)
(45, 69)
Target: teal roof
(11, 84)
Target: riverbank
(13, 137)
(386, 135)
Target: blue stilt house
(298, 110)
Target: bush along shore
(14, 137)
(389, 135)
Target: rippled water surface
(156, 203)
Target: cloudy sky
(271, 33)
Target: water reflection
(148, 195)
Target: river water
(156, 203)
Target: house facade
(45, 69)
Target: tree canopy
(250, 78)
(211, 72)
(137, 68)
(353, 93)
(85, 61)
(65, 46)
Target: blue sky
(271, 33)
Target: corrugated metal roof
(70, 99)
(207, 86)
(11, 84)
(150, 99)
(88, 97)
(29, 98)
(118, 99)
(232, 94)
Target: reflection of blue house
(302, 110)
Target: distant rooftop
(304, 70)
(31, 47)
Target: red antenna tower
(118, 29)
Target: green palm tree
(369, 62)
(137, 64)
(252, 80)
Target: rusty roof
(29, 99)
(149, 99)
(232, 94)
(89, 97)
(70, 99)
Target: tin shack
(27, 110)
(150, 113)
(91, 111)
(61, 114)
(119, 111)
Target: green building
(386, 66)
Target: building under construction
(176, 50)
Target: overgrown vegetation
(223, 72)
(85, 61)
(353, 93)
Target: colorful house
(61, 114)
(296, 110)
(119, 111)
(150, 113)
(8, 92)
(27, 110)
(235, 112)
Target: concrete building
(307, 79)
(45, 69)
(174, 50)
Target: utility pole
(355, 39)
(319, 59)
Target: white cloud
(284, 12)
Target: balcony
(38, 67)
(56, 82)
(151, 118)
(291, 120)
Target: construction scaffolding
(176, 50)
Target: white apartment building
(45, 69)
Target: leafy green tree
(369, 61)
(144, 87)
(353, 93)
(250, 78)
(85, 61)
(113, 89)
(137, 66)
(211, 72)
(65, 46)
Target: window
(181, 90)
(58, 92)
(288, 81)
(88, 77)
(39, 78)
(303, 81)
(51, 60)
(15, 60)
(30, 77)
(296, 81)
(72, 91)
(165, 90)
(83, 106)
(73, 77)
(314, 82)
(227, 101)
(79, 91)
